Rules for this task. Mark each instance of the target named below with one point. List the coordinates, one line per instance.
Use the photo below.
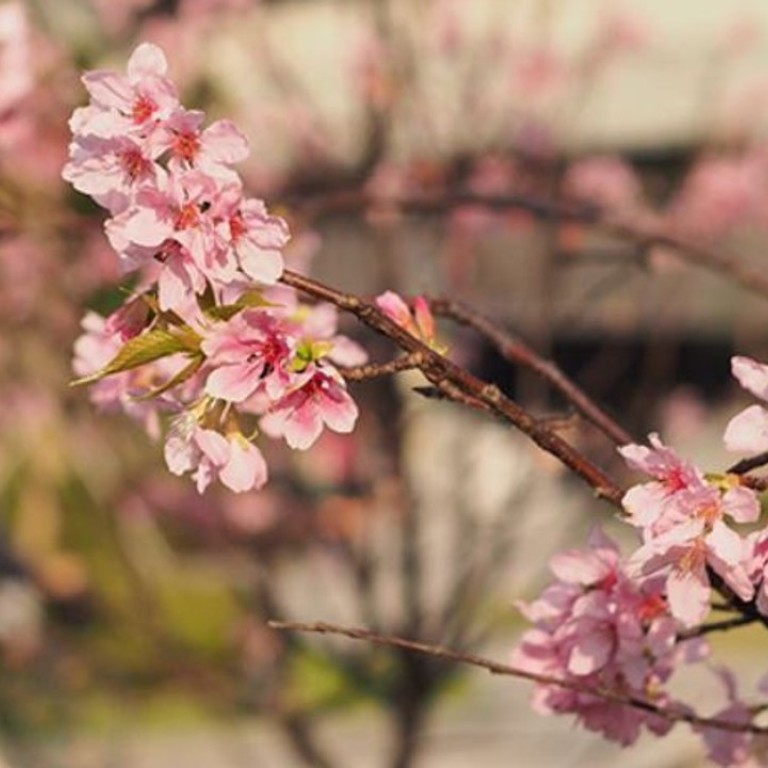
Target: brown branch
(376, 370)
(497, 668)
(516, 351)
(748, 464)
(455, 382)
(718, 626)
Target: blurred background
(580, 162)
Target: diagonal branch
(497, 668)
(515, 350)
(458, 384)
(376, 370)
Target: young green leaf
(140, 350)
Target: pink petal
(179, 454)
(174, 285)
(753, 376)
(224, 143)
(725, 544)
(303, 426)
(144, 227)
(233, 383)
(214, 445)
(591, 653)
(637, 456)
(424, 319)
(246, 468)
(688, 594)
(396, 309)
(322, 321)
(339, 412)
(645, 503)
(741, 504)
(260, 265)
(747, 432)
(347, 352)
(578, 567)
(108, 89)
(147, 61)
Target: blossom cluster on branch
(626, 624)
(207, 336)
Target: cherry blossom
(137, 100)
(207, 454)
(601, 628)
(319, 399)
(250, 352)
(204, 252)
(682, 518)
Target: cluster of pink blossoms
(209, 337)
(602, 629)
(625, 625)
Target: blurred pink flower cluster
(208, 336)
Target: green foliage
(146, 348)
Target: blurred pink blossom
(606, 181)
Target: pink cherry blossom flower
(318, 399)
(139, 99)
(655, 506)
(109, 170)
(208, 454)
(171, 222)
(250, 352)
(600, 628)
(212, 150)
(682, 520)
(253, 236)
(685, 551)
(171, 209)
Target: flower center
(143, 108)
(186, 146)
(134, 164)
(188, 217)
(237, 227)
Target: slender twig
(748, 464)
(457, 383)
(515, 350)
(376, 370)
(718, 626)
(497, 668)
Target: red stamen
(186, 146)
(143, 109)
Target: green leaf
(249, 300)
(186, 373)
(143, 349)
